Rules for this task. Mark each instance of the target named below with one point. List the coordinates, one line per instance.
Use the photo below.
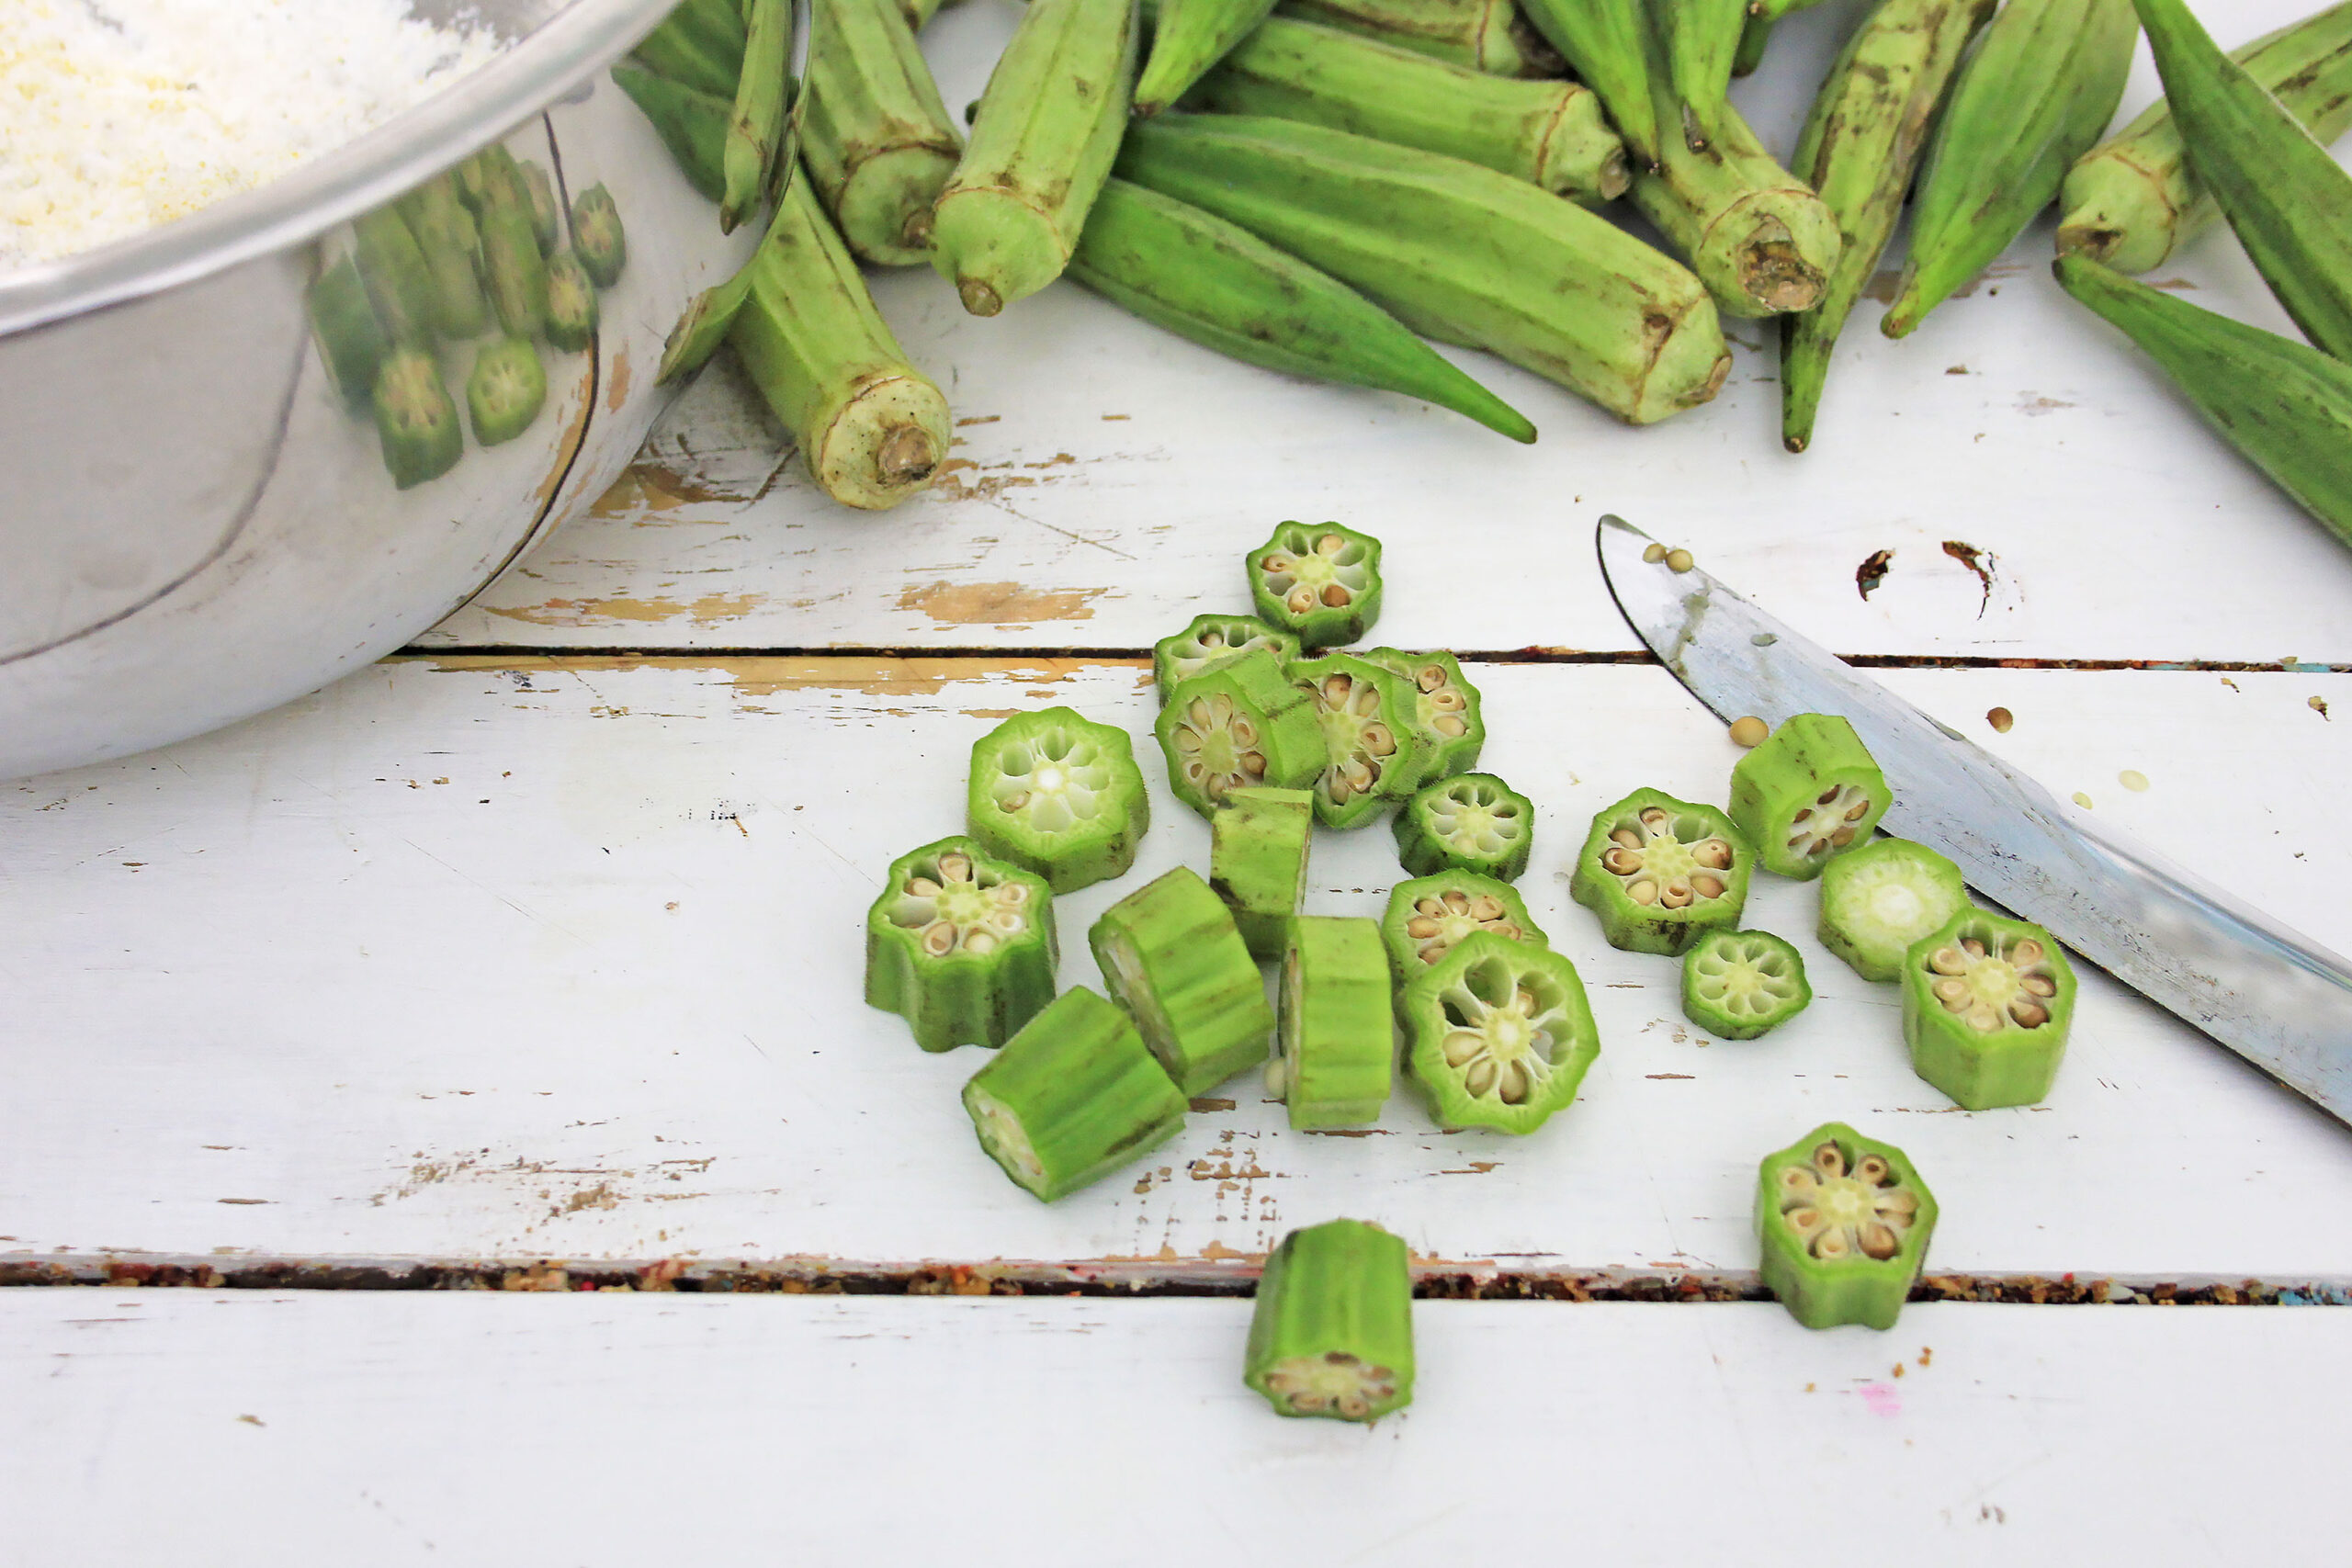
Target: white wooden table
(528, 961)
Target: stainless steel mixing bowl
(197, 524)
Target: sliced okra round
(1241, 726)
(1661, 872)
(1372, 758)
(1430, 916)
(1985, 1006)
(1810, 791)
(1210, 641)
(1737, 984)
(1257, 862)
(1061, 794)
(1445, 710)
(1171, 955)
(597, 235)
(1072, 1096)
(506, 390)
(1879, 900)
(1318, 581)
(1469, 822)
(416, 420)
(1331, 1333)
(1498, 1035)
(1843, 1225)
(572, 303)
(961, 945)
(1337, 1041)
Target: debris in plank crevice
(1979, 561)
(1873, 571)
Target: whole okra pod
(878, 141)
(1608, 44)
(1703, 45)
(1484, 35)
(1187, 38)
(755, 127)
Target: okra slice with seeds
(1072, 1096)
(506, 390)
(1241, 726)
(1371, 755)
(572, 303)
(1318, 581)
(1257, 862)
(416, 420)
(1469, 822)
(1171, 955)
(1985, 1006)
(1661, 872)
(1336, 1037)
(1738, 985)
(1210, 641)
(1430, 916)
(1498, 1035)
(1445, 711)
(1332, 1331)
(1843, 1225)
(1810, 791)
(597, 235)
(961, 945)
(1879, 900)
(1059, 794)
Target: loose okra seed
(1654, 553)
(2000, 719)
(1679, 560)
(1844, 1225)
(1748, 731)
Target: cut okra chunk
(1337, 1038)
(1879, 900)
(1985, 1006)
(1171, 955)
(1318, 581)
(961, 945)
(1662, 872)
(1210, 641)
(572, 303)
(1333, 1330)
(416, 420)
(1469, 822)
(1241, 726)
(1257, 862)
(1498, 1035)
(1072, 1096)
(1737, 984)
(1370, 756)
(1843, 1224)
(597, 235)
(506, 390)
(1445, 710)
(1059, 794)
(1430, 916)
(1808, 792)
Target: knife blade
(2274, 997)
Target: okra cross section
(1843, 1224)
(1985, 1006)
(961, 945)
(1071, 1098)
(1059, 794)
(1498, 1035)
(1469, 822)
(1661, 872)
(1239, 725)
(1371, 755)
(1430, 916)
(1210, 641)
(1318, 581)
(1171, 955)
(1258, 845)
(1738, 985)
(1337, 1038)
(1445, 709)
(1809, 791)
(1879, 900)
(1332, 1334)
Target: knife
(2276, 998)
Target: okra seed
(2028, 1015)
(1838, 840)
(2026, 953)
(1657, 821)
(1950, 991)
(1971, 946)
(1679, 561)
(1421, 928)
(1707, 886)
(1458, 902)
(1874, 1169)
(1860, 809)
(1677, 895)
(1715, 854)
(1301, 601)
(1878, 1241)
(1450, 727)
(1983, 1018)
(955, 867)
(1277, 562)
(1488, 907)
(1330, 544)
(1621, 862)
(1654, 553)
(1625, 837)
(1431, 677)
(922, 887)
(1947, 961)
(2040, 986)
(1212, 639)
(980, 941)
(1337, 596)
(1828, 1159)
(938, 938)
(1749, 731)
(1642, 892)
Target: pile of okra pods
(1268, 731)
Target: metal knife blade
(2274, 997)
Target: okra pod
(1187, 38)
(755, 124)
(1238, 725)
(690, 123)
(1430, 916)
(1071, 1098)
(546, 222)
(517, 272)
(398, 279)
(1469, 822)
(962, 944)
(1843, 1225)
(878, 141)
(1661, 872)
(1986, 1002)
(1056, 794)
(1498, 1035)
(1809, 790)
(450, 243)
(1258, 842)
(1171, 955)
(1878, 900)
(1739, 985)
(1490, 36)
(1318, 581)
(1702, 42)
(1337, 1042)
(416, 420)
(1331, 1333)
(1372, 758)
(505, 390)
(1212, 641)
(1608, 44)
(1755, 37)
(699, 44)
(351, 341)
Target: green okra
(1810, 791)
(1454, 251)
(1859, 149)
(1489, 35)
(416, 420)
(1071, 1098)
(1372, 758)
(919, 13)
(962, 944)
(547, 219)
(597, 235)
(699, 44)
(1258, 842)
(1171, 955)
(1187, 38)
(1661, 872)
(1755, 37)
(1047, 128)
(1318, 581)
(1702, 42)
(1469, 822)
(755, 123)
(1445, 709)
(506, 389)
(2284, 405)
(1551, 133)
(1987, 1003)
(572, 303)
(1331, 1332)
(517, 272)
(1497, 1034)
(2135, 200)
(2036, 91)
(1336, 1041)
(351, 340)
(1238, 725)
(1430, 916)
(1212, 641)
(1843, 1225)
(1880, 898)
(1056, 794)
(1739, 985)
(692, 124)
(398, 279)
(878, 143)
(450, 243)
(1607, 44)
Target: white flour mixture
(119, 115)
